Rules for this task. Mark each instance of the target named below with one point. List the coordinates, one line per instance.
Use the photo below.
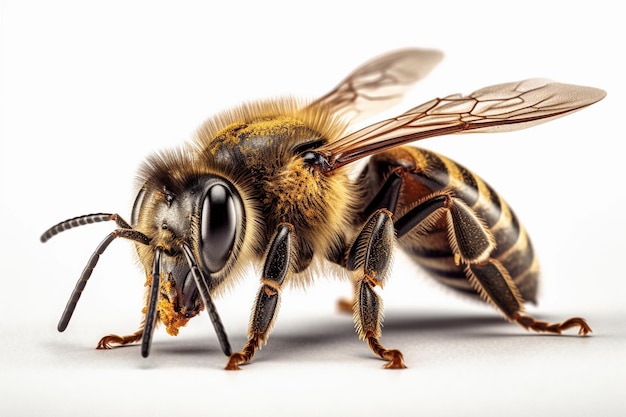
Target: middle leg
(369, 259)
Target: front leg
(369, 259)
(111, 341)
(278, 263)
(108, 341)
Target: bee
(270, 184)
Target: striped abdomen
(424, 172)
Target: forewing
(498, 108)
(379, 84)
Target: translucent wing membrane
(498, 108)
(379, 84)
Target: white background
(87, 91)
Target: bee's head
(188, 226)
(181, 203)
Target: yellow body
(267, 184)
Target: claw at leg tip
(395, 365)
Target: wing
(498, 108)
(379, 84)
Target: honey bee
(270, 184)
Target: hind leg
(472, 244)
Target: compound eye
(134, 216)
(218, 227)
